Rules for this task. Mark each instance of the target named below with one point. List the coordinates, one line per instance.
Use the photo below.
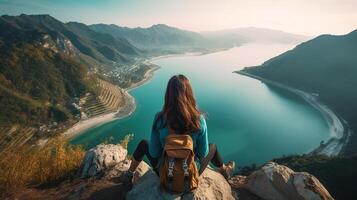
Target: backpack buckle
(185, 167)
(171, 167)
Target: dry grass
(125, 141)
(31, 166)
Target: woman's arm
(155, 148)
(202, 140)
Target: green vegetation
(37, 85)
(327, 66)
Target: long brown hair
(180, 111)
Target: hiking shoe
(127, 179)
(227, 172)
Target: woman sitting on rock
(179, 116)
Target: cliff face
(103, 166)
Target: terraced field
(111, 97)
(14, 136)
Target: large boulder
(271, 182)
(278, 182)
(100, 158)
(212, 185)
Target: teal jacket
(200, 141)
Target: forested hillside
(325, 66)
(46, 66)
(37, 85)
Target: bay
(249, 121)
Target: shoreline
(189, 53)
(147, 77)
(339, 129)
(124, 111)
(130, 104)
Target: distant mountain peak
(159, 25)
(354, 32)
(40, 16)
(37, 15)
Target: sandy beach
(338, 128)
(124, 111)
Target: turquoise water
(248, 121)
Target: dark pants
(212, 156)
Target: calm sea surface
(248, 121)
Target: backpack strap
(171, 167)
(185, 167)
(186, 175)
(170, 173)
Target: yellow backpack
(178, 171)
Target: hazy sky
(309, 17)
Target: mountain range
(157, 37)
(253, 34)
(162, 37)
(45, 64)
(98, 46)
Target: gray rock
(123, 166)
(118, 169)
(212, 185)
(271, 182)
(309, 187)
(278, 182)
(100, 158)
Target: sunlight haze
(296, 16)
